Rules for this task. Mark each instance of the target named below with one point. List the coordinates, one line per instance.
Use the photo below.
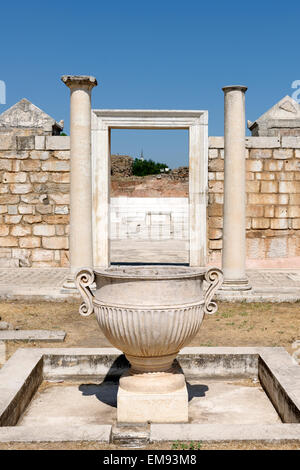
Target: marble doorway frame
(196, 122)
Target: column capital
(241, 88)
(79, 81)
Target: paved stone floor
(210, 401)
(267, 284)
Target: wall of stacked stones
(34, 200)
(273, 197)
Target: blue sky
(165, 54)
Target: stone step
(33, 335)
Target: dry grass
(235, 324)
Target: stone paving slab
(33, 335)
(273, 285)
(54, 433)
(224, 432)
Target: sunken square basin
(70, 394)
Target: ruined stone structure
(24, 118)
(282, 119)
(35, 197)
(121, 165)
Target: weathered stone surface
(216, 222)
(215, 234)
(12, 219)
(39, 177)
(63, 154)
(59, 230)
(269, 211)
(25, 143)
(289, 187)
(55, 243)
(44, 230)
(212, 153)
(260, 223)
(9, 199)
(8, 241)
(40, 254)
(292, 165)
(262, 142)
(30, 165)
(287, 176)
(12, 209)
(56, 165)
(32, 219)
(56, 219)
(283, 154)
(216, 142)
(269, 187)
(4, 230)
(21, 231)
(33, 335)
(44, 208)
(216, 186)
(7, 141)
(58, 143)
(260, 153)
(4, 188)
(215, 244)
(61, 210)
(39, 142)
(290, 142)
(59, 177)
(279, 224)
(273, 165)
(252, 186)
(2, 352)
(39, 155)
(262, 198)
(5, 164)
(60, 199)
(265, 176)
(254, 165)
(19, 177)
(19, 188)
(216, 165)
(255, 211)
(30, 242)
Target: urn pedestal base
(140, 407)
(156, 397)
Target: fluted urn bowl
(149, 312)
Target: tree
(146, 167)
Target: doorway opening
(149, 193)
(104, 123)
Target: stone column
(81, 244)
(234, 215)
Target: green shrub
(146, 167)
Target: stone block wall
(34, 200)
(273, 199)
